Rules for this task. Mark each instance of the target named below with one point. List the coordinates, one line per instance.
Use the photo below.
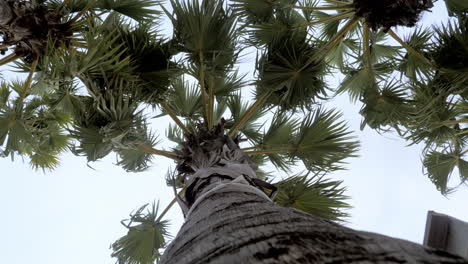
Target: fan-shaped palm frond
(388, 107)
(207, 32)
(146, 235)
(281, 72)
(411, 65)
(451, 47)
(440, 165)
(323, 141)
(314, 195)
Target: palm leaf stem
(9, 59)
(27, 85)
(174, 117)
(202, 88)
(62, 5)
(324, 20)
(367, 47)
(149, 150)
(4, 46)
(210, 104)
(168, 207)
(248, 114)
(249, 148)
(409, 48)
(78, 24)
(339, 7)
(452, 122)
(338, 1)
(82, 12)
(324, 50)
(271, 151)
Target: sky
(72, 214)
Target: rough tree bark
(230, 220)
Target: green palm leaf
(323, 142)
(313, 195)
(145, 237)
(439, 167)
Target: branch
(271, 151)
(210, 104)
(202, 87)
(168, 207)
(323, 51)
(9, 59)
(367, 47)
(451, 122)
(149, 150)
(338, 7)
(324, 20)
(248, 114)
(409, 48)
(27, 85)
(174, 117)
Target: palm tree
(92, 95)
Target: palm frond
(145, 237)
(389, 107)
(280, 73)
(440, 165)
(184, 99)
(206, 30)
(323, 142)
(314, 195)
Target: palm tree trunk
(236, 223)
(230, 219)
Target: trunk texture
(235, 224)
(229, 218)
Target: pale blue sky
(72, 215)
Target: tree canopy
(98, 70)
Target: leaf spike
(82, 12)
(323, 52)
(324, 20)
(174, 117)
(147, 149)
(248, 114)
(27, 85)
(338, 7)
(8, 59)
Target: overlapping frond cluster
(416, 87)
(97, 70)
